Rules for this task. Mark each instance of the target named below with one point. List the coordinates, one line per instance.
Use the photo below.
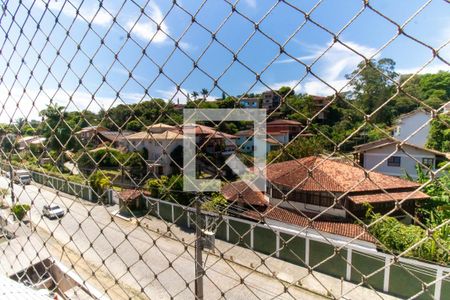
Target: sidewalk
(290, 274)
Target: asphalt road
(149, 265)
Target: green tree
(286, 91)
(439, 136)
(100, 182)
(137, 166)
(372, 85)
(156, 186)
(217, 204)
(204, 93)
(56, 128)
(436, 85)
(134, 125)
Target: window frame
(392, 163)
(428, 165)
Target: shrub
(20, 210)
(99, 182)
(217, 204)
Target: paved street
(138, 259)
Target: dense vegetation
(432, 215)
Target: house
(279, 132)
(319, 103)
(249, 102)
(112, 138)
(270, 100)
(323, 196)
(413, 128)
(27, 141)
(210, 140)
(158, 148)
(394, 158)
(87, 134)
(283, 130)
(99, 136)
(337, 191)
(245, 141)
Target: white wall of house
(408, 124)
(156, 151)
(407, 163)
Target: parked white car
(53, 211)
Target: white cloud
(251, 3)
(332, 67)
(102, 18)
(173, 95)
(146, 29)
(278, 85)
(69, 9)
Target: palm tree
(204, 93)
(194, 95)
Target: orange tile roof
(318, 174)
(387, 197)
(241, 192)
(129, 195)
(343, 228)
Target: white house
(159, 146)
(386, 158)
(408, 124)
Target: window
(429, 162)
(394, 161)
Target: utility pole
(11, 182)
(198, 252)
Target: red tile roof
(318, 174)
(343, 228)
(387, 197)
(241, 192)
(283, 122)
(129, 195)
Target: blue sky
(282, 23)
